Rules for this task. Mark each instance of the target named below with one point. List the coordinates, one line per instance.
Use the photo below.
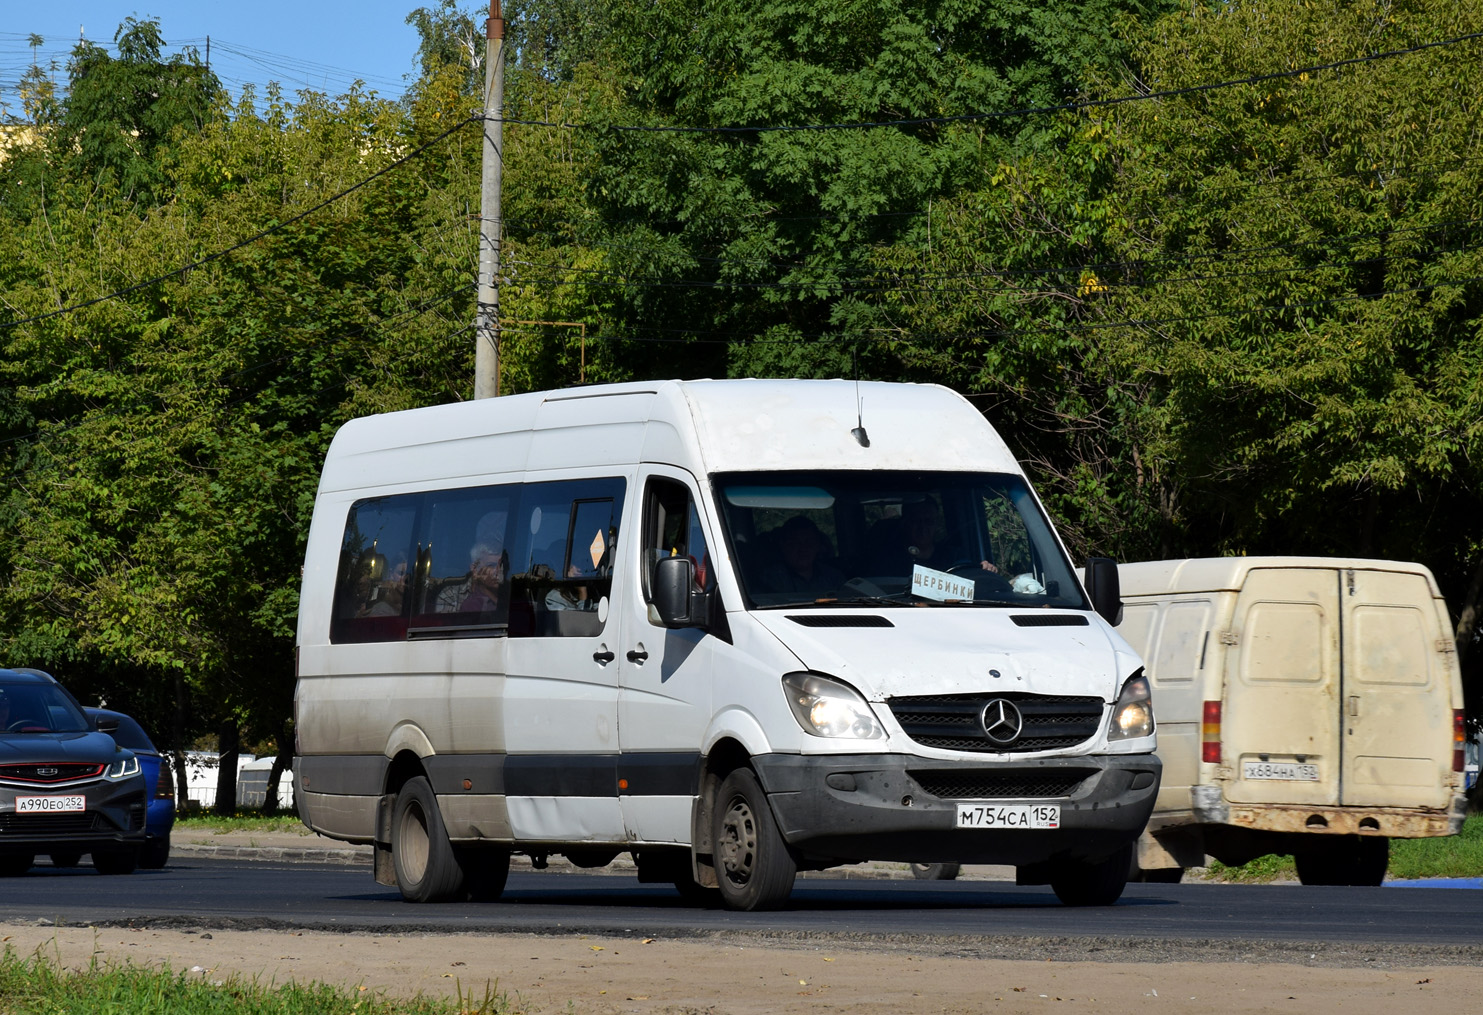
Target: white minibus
(736, 629)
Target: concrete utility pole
(486, 321)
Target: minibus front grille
(988, 785)
(954, 722)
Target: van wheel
(485, 871)
(66, 859)
(1092, 883)
(754, 867)
(427, 869)
(936, 871)
(1359, 861)
(1161, 875)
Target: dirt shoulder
(605, 976)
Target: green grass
(1452, 856)
(243, 821)
(39, 986)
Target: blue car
(66, 787)
(160, 816)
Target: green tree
(119, 111)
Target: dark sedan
(65, 787)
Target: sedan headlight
(124, 769)
(827, 707)
(1132, 716)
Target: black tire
(427, 869)
(66, 859)
(1162, 875)
(1351, 861)
(936, 871)
(697, 895)
(485, 871)
(155, 854)
(1093, 883)
(13, 865)
(122, 862)
(754, 866)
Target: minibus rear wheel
(754, 867)
(427, 869)
(1092, 883)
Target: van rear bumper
(901, 807)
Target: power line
(924, 121)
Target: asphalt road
(965, 917)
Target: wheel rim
(738, 842)
(412, 849)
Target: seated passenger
(799, 569)
(479, 591)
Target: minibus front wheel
(1092, 883)
(754, 866)
(427, 869)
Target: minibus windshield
(886, 538)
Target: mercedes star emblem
(1002, 721)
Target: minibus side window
(462, 561)
(672, 529)
(376, 560)
(562, 557)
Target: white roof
(1210, 574)
(728, 425)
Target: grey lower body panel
(878, 807)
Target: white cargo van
(735, 628)
(1307, 705)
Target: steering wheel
(24, 726)
(996, 581)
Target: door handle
(603, 657)
(637, 655)
(1354, 704)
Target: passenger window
(375, 571)
(462, 563)
(563, 556)
(672, 529)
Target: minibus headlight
(1132, 716)
(828, 708)
(124, 769)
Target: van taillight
(164, 787)
(1210, 733)
(1459, 738)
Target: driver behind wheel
(920, 531)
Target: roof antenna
(861, 437)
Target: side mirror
(1104, 588)
(107, 724)
(674, 577)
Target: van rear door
(1396, 694)
(1280, 713)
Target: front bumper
(845, 808)
(113, 820)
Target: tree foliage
(1214, 320)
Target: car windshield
(39, 708)
(880, 538)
